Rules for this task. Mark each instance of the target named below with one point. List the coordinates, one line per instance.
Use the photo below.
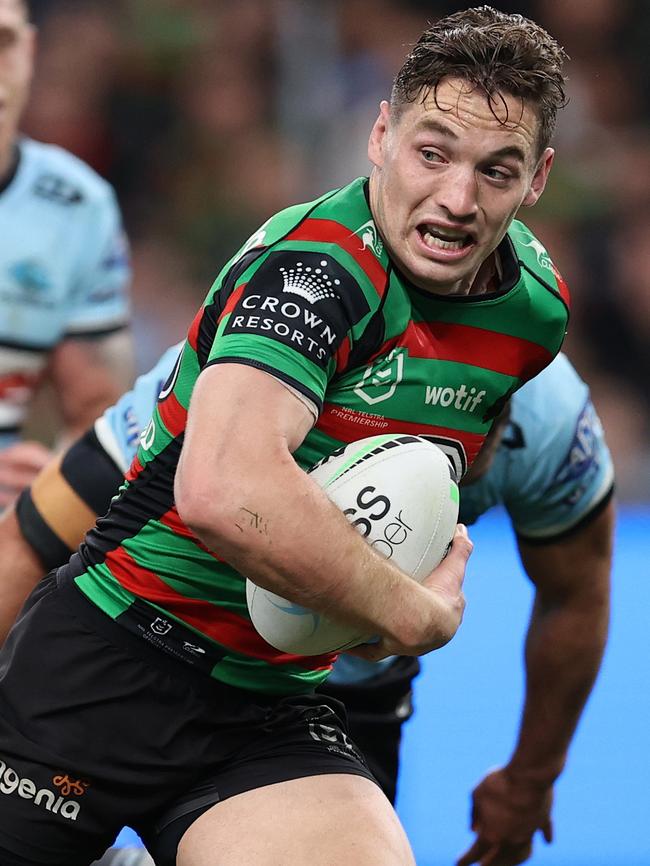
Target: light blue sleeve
(563, 469)
(119, 428)
(100, 293)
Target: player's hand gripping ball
(400, 493)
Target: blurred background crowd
(209, 115)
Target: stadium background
(209, 115)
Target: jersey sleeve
(118, 429)
(295, 315)
(62, 504)
(99, 299)
(567, 477)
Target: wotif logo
(12, 783)
(462, 398)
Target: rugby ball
(400, 493)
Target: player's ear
(540, 177)
(378, 135)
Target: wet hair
(494, 51)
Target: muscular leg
(318, 820)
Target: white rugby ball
(400, 493)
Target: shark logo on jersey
(311, 283)
(31, 276)
(379, 381)
(370, 238)
(57, 189)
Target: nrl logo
(370, 238)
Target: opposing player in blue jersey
(547, 463)
(64, 274)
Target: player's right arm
(241, 492)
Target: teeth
(434, 241)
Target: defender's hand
(506, 814)
(19, 465)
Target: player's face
(16, 65)
(448, 180)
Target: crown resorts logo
(312, 284)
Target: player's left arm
(89, 374)
(564, 647)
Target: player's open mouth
(438, 238)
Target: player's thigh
(317, 820)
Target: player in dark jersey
(409, 302)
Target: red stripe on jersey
(172, 520)
(223, 626)
(346, 425)
(193, 333)
(233, 300)
(466, 344)
(329, 231)
(562, 287)
(172, 414)
(343, 355)
(134, 469)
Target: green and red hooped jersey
(314, 300)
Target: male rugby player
(332, 321)
(546, 462)
(64, 274)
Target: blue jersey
(551, 469)
(64, 268)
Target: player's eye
(431, 155)
(497, 173)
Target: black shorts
(99, 730)
(377, 708)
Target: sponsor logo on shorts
(52, 801)
(332, 737)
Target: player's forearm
(289, 538)
(564, 649)
(20, 571)
(564, 646)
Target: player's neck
(489, 276)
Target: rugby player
(338, 315)
(64, 275)
(545, 461)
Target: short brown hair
(494, 51)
